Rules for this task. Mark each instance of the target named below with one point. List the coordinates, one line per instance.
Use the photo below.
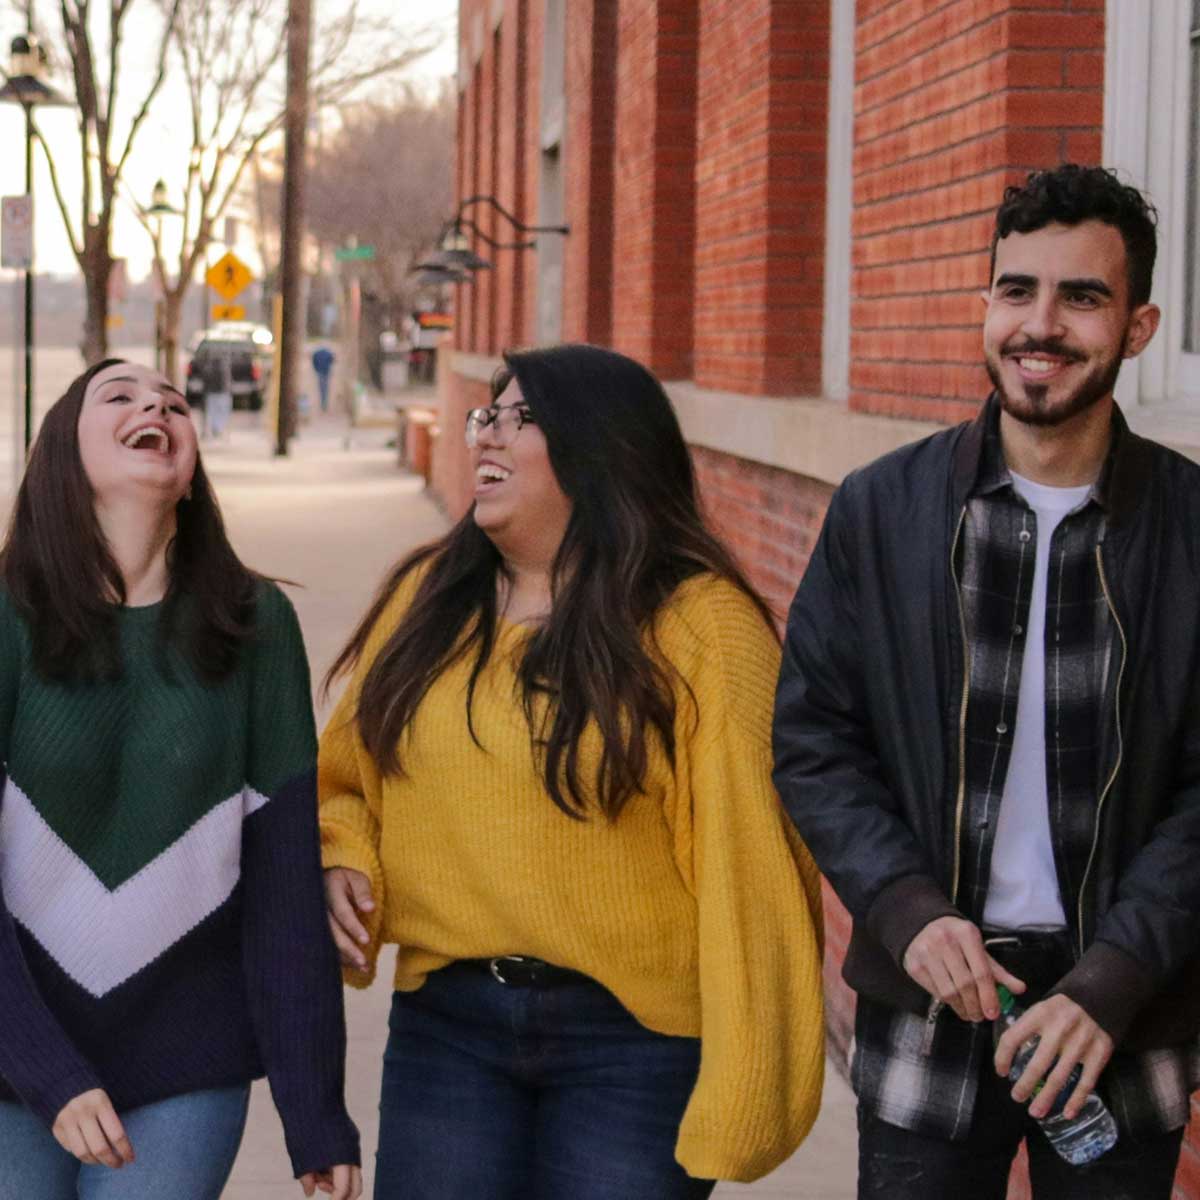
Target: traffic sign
(16, 232)
(228, 276)
(354, 253)
(228, 312)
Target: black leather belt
(521, 971)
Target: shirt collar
(994, 474)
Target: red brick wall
(512, 120)
(952, 101)
(654, 199)
(760, 203)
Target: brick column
(760, 181)
(654, 195)
(591, 109)
(949, 108)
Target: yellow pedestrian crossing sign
(229, 276)
(228, 312)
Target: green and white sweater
(163, 927)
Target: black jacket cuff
(903, 909)
(1109, 985)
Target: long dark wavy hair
(634, 535)
(62, 577)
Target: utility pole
(291, 266)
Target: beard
(1031, 404)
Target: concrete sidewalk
(333, 518)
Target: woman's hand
(348, 893)
(342, 1182)
(88, 1127)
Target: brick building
(783, 207)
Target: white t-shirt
(1023, 887)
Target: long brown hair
(61, 575)
(635, 534)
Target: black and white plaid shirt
(921, 1073)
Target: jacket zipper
(960, 798)
(936, 1006)
(1112, 608)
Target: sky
(161, 148)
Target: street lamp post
(160, 207)
(25, 87)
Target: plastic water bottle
(1081, 1139)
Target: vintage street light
(160, 207)
(26, 87)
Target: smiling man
(988, 732)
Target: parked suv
(243, 351)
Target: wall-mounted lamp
(454, 253)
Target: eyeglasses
(506, 423)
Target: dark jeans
(901, 1165)
(529, 1094)
(896, 1164)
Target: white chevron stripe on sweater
(101, 938)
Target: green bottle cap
(1006, 999)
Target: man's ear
(1143, 323)
(985, 294)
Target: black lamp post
(24, 86)
(160, 207)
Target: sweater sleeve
(37, 1059)
(758, 896)
(348, 789)
(289, 958)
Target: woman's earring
(188, 494)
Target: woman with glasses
(549, 784)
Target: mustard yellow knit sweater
(699, 907)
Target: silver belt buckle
(494, 965)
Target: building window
(1191, 318)
(1152, 131)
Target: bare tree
(231, 57)
(386, 179)
(105, 140)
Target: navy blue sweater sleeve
(37, 1058)
(292, 976)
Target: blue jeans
(183, 1147)
(529, 1094)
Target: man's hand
(949, 960)
(88, 1127)
(1067, 1033)
(348, 893)
(342, 1182)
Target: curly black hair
(1070, 194)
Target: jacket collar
(1119, 490)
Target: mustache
(1052, 346)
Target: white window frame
(1147, 94)
(551, 175)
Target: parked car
(243, 347)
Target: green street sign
(354, 253)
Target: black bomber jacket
(870, 703)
